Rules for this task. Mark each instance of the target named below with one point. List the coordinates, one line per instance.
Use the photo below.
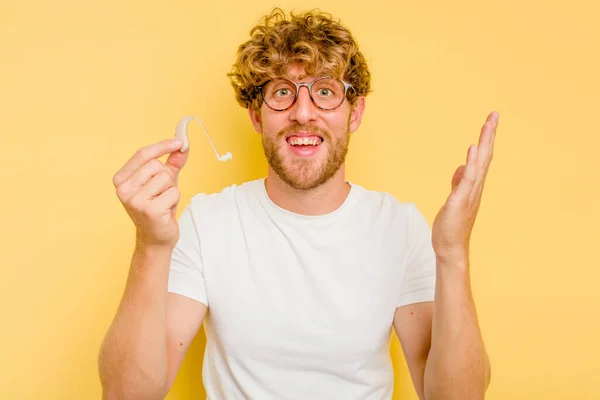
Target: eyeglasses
(326, 93)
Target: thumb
(177, 160)
(467, 176)
(458, 174)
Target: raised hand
(452, 227)
(148, 190)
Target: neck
(321, 200)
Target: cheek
(339, 126)
(271, 124)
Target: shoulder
(226, 199)
(378, 203)
(216, 212)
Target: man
(300, 277)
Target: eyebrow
(296, 77)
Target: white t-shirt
(300, 307)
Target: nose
(303, 111)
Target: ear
(358, 108)
(255, 119)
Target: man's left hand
(452, 227)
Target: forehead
(297, 73)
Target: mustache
(303, 128)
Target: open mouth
(298, 141)
(305, 146)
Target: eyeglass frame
(309, 88)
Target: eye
(324, 92)
(282, 92)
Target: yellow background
(84, 84)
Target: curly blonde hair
(313, 39)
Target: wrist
(455, 262)
(152, 249)
(458, 255)
(453, 275)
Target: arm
(445, 350)
(150, 334)
(152, 329)
(412, 324)
(442, 345)
(184, 318)
(457, 366)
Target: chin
(305, 177)
(304, 173)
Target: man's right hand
(148, 190)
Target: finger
(143, 155)
(467, 182)
(168, 200)
(156, 185)
(457, 176)
(486, 146)
(177, 160)
(142, 176)
(485, 154)
(496, 114)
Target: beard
(306, 174)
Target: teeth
(304, 141)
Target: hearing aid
(181, 133)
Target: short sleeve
(186, 275)
(418, 284)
